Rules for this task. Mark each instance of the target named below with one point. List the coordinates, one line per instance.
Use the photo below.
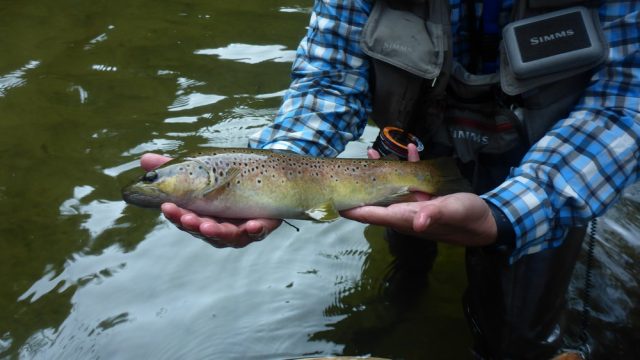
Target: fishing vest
(547, 56)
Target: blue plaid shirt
(574, 173)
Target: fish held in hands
(249, 183)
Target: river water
(87, 87)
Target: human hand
(218, 232)
(460, 218)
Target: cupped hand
(216, 231)
(460, 218)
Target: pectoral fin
(212, 189)
(325, 212)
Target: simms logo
(469, 135)
(390, 46)
(537, 40)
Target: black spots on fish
(259, 181)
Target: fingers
(231, 233)
(173, 212)
(413, 217)
(397, 216)
(460, 218)
(151, 161)
(413, 154)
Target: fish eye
(151, 176)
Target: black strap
(506, 234)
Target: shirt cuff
(505, 236)
(525, 203)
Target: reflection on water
(100, 215)
(87, 88)
(194, 100)
(155, 145)
(15, 78)
(251, 54)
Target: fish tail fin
(448, 177)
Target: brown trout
(247, 183)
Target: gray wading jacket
(488, 121)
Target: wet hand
(216, 231)
(461, 218)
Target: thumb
(150, 161)
(373, 154)
(423, 218)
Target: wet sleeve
(328, 101)
(578, 170)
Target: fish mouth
(143, 196)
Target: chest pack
(547, 54)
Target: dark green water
(86, 87)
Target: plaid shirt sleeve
(581, 166)
(328, 102)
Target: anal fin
(325, 212)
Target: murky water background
(87, 87)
